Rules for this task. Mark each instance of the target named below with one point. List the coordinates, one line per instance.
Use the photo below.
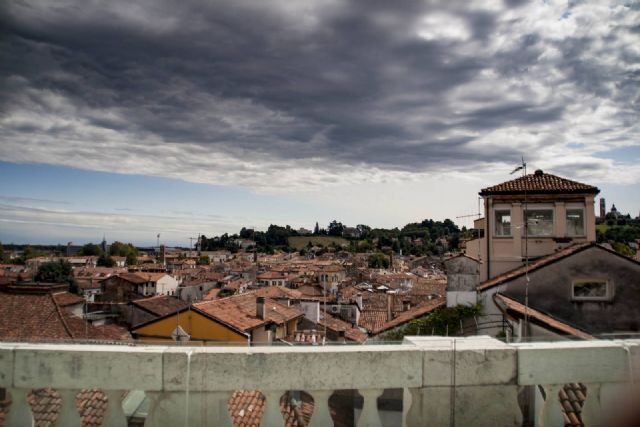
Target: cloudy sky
(136, 118)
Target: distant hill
(300, 242)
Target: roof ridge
(62, 318)
(539, 182)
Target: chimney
(389, 306)
(260, 308)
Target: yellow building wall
(199, 327)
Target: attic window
(592, 290)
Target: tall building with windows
(530, 217)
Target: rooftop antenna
(523, 167)
(191, 239)
(478, 215)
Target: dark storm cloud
(346, 82)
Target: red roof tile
(64, 299)
(160, 305)
(539, 183)
(28, 315)
(239, 311)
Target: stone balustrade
(441, 381)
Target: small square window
(540, 222)
(503, 222)
(592, 290)
(575, 222)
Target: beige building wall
(499, 254)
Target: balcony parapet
(449, 381)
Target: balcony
(435, 381)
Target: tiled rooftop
(239, 311)
(37, 316)
(539, 183)
(160, 305)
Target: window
(575, 222)
(540, 222)
(592, 290)
(503, 222)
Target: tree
(105, 261)
(363, 230)
(378, 260)
(132, 258)
(91, 249)
(316, 229)
(1, 252)
(57, 272)
(203, 260)
(246, 233)
(335, 228)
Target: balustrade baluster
(114, 415)
(69, 415)
(218, 403)
(370, 416)
(591, 408)
(272, 415)
(551, 411)
(154, 400)
(20, 411)
(321, 416)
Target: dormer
(530, 217)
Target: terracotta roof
(64, 299)
(160, 305)
(513, 306)
(239, 311)
(97, 272)
(236, 284)
(375, 320)
(541, 262)
(212, 294)
(271, 275)
(372, 319)
(333, 268)
(37, 316)
(539, 183)
(278, 292)
(414, 313)
(141, 277)
(338, 325)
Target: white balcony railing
(471, 381)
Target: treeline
(105, 259)
(420, 238)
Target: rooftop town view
(357, 213)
